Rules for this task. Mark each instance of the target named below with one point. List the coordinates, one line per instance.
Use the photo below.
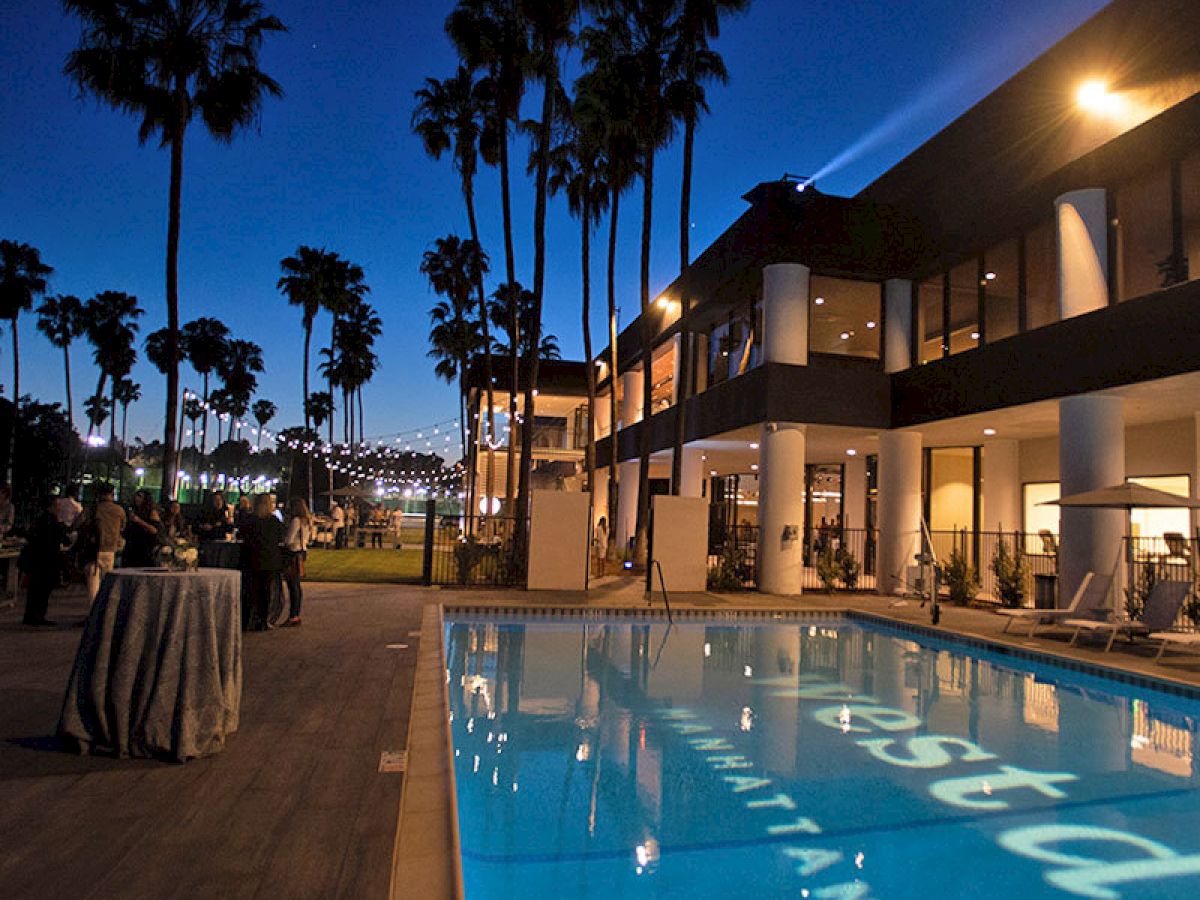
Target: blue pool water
(617, 758)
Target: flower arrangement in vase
(179, 555)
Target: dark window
(964, 306)
(1001, 282)
(930, 320)
(844, 317)
(1041, 275)
(1143, 235)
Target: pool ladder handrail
(662, 583)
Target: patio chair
(1162, 607)
(1088, 599)
(1180, 639)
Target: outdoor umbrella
(1127, 496)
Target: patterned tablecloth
(159, 667)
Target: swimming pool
(833, 758)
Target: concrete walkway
(293, 807)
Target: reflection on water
(594, 754)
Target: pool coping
(431, 751)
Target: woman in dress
(299, 530)
(143, 533)
(262, 561)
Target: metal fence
(474, 552)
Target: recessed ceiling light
(852, 452)
(989, 431)
(753, 445)
(871, 324)
(990, 276)
(712, 472)
(753, 467)
(845, 335)
(974, 335)
(820, 301)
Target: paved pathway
(294, 806)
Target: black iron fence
(484, 551)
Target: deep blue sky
(334, 164)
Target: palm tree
(695, 62)
(304, 283)
(110, 323)
(345, 292)
(502, 309)
(578, 171)
(608, 94)
(454, 339)
(96, 409)
(60, 319)
(319, 408)
(204, 342)
(356, 339)
(549, 25)
(490, 35)
(22, 277)
(449, 116)
(193, 411)
(125, 392)
(453, 268)
(264, 411)
(168, 61)
(642, 33)
(238, 369)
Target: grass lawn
(379, 566)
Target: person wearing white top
(338, 516)
(298, 533)
(67, 508)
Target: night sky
(334, 164)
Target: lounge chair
(1182, 639)
(1162, 607)
(1088, 600)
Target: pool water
(839, 759)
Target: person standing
(600, 545)
(214, 521)
(262, 561)
(101, 539)
(337, 516)
(67, 508)
(142, 533)
(295, 550)
(40, 563)
(174, 528)
(243, 514)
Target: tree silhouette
(168, 61)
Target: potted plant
(848, 568)
(828, 569)
(961, 578)
(1009, 569)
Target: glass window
(952, 500)
(964, 306)
(1143, 235)
(1190, 178)
(718, 354)
(1000, 287)
(1154, 523)
(930, 336)
(844, 317)
(1041, 522)
(1041, 275)
(662, 374)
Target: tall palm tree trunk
(67, 370)
(683, 388)
(307, 418)
(643, 507)
(539, 279)
(12, 434)
(170, 451)
(585, 267)
(361, 428)
(204, 431)
(489, 484)
(613, 376)
(514, 327)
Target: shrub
(961, 578)
(828, 569)
(726, 575)
(1009, 569)
(467, 555)
(849, 568)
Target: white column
(1091, 455)
(1082, 251)
(854, 492)
(631, 399)
(781, 508)
(599, 498)
(603, 415)
(899, 507)
(1001, 486)
(627, 491)
(691, 474)
(897, 325)
(785, 314)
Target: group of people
(63, 535)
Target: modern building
(1008, 315)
